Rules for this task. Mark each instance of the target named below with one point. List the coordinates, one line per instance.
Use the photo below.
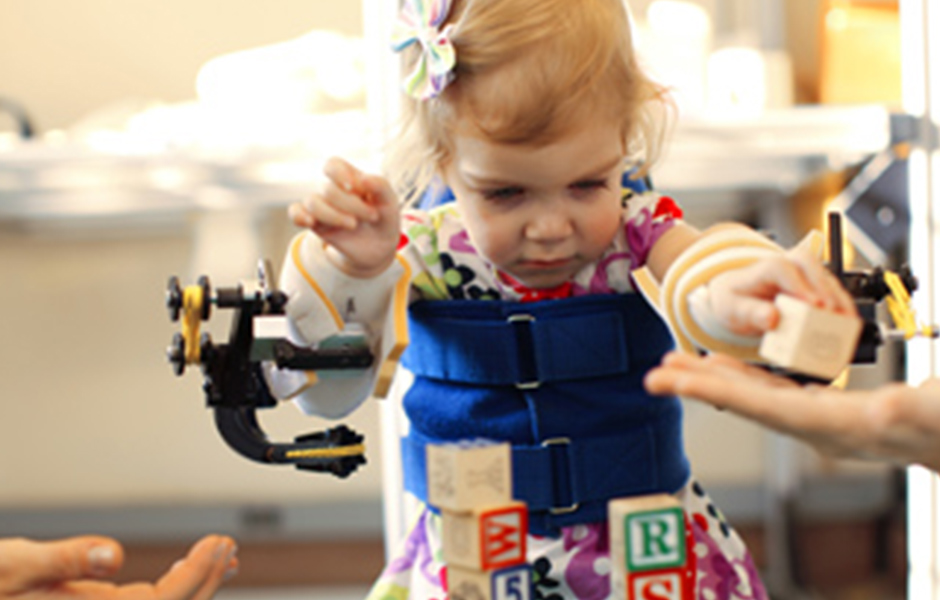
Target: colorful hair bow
(420, 21)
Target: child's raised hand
(742, 299)
(356, 215)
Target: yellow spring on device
(900, 309)
(193, 299)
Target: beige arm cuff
(722, 248)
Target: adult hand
(894, 422)
(74, 569)
(356, 214)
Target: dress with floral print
(576, 565)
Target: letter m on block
(655, 539)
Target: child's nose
(549, 225)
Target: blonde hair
(527, 72)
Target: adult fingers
(197, 577)
(28, 565)
(740, 369)
(726, 366)
(209, 563)
(729, 384)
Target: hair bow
(420, 21)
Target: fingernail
(101, 559)
(229, 573)
(221, 550)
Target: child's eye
(590, 184)
(503, 193)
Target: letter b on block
(655, 539)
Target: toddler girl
(524, 322)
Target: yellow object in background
(860, 52)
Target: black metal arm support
(235, 386)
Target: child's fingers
(343, 174)
(380, 193)
(346, 207)
(300, 216)
(330, 207)
(746, 315)
(788, 277)
(833, 295)
(323, 216)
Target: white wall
(91, 413)
(63, 59)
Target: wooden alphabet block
(672, 584)
(650, 545)
(486, 538)
(467, 475)
(514, 583)
(810, 340)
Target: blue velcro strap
(509, 343)
(565, 481)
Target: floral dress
(575, 565)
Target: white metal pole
(382, 103)
(920, 34)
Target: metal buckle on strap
(524, 318)
(560, 510)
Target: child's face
(540, 213)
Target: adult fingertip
(655, 382)
(670, 357)
(231, 569)
(103, 559)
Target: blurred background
(140, 140)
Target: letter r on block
(655, 539)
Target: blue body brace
(562, 381)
